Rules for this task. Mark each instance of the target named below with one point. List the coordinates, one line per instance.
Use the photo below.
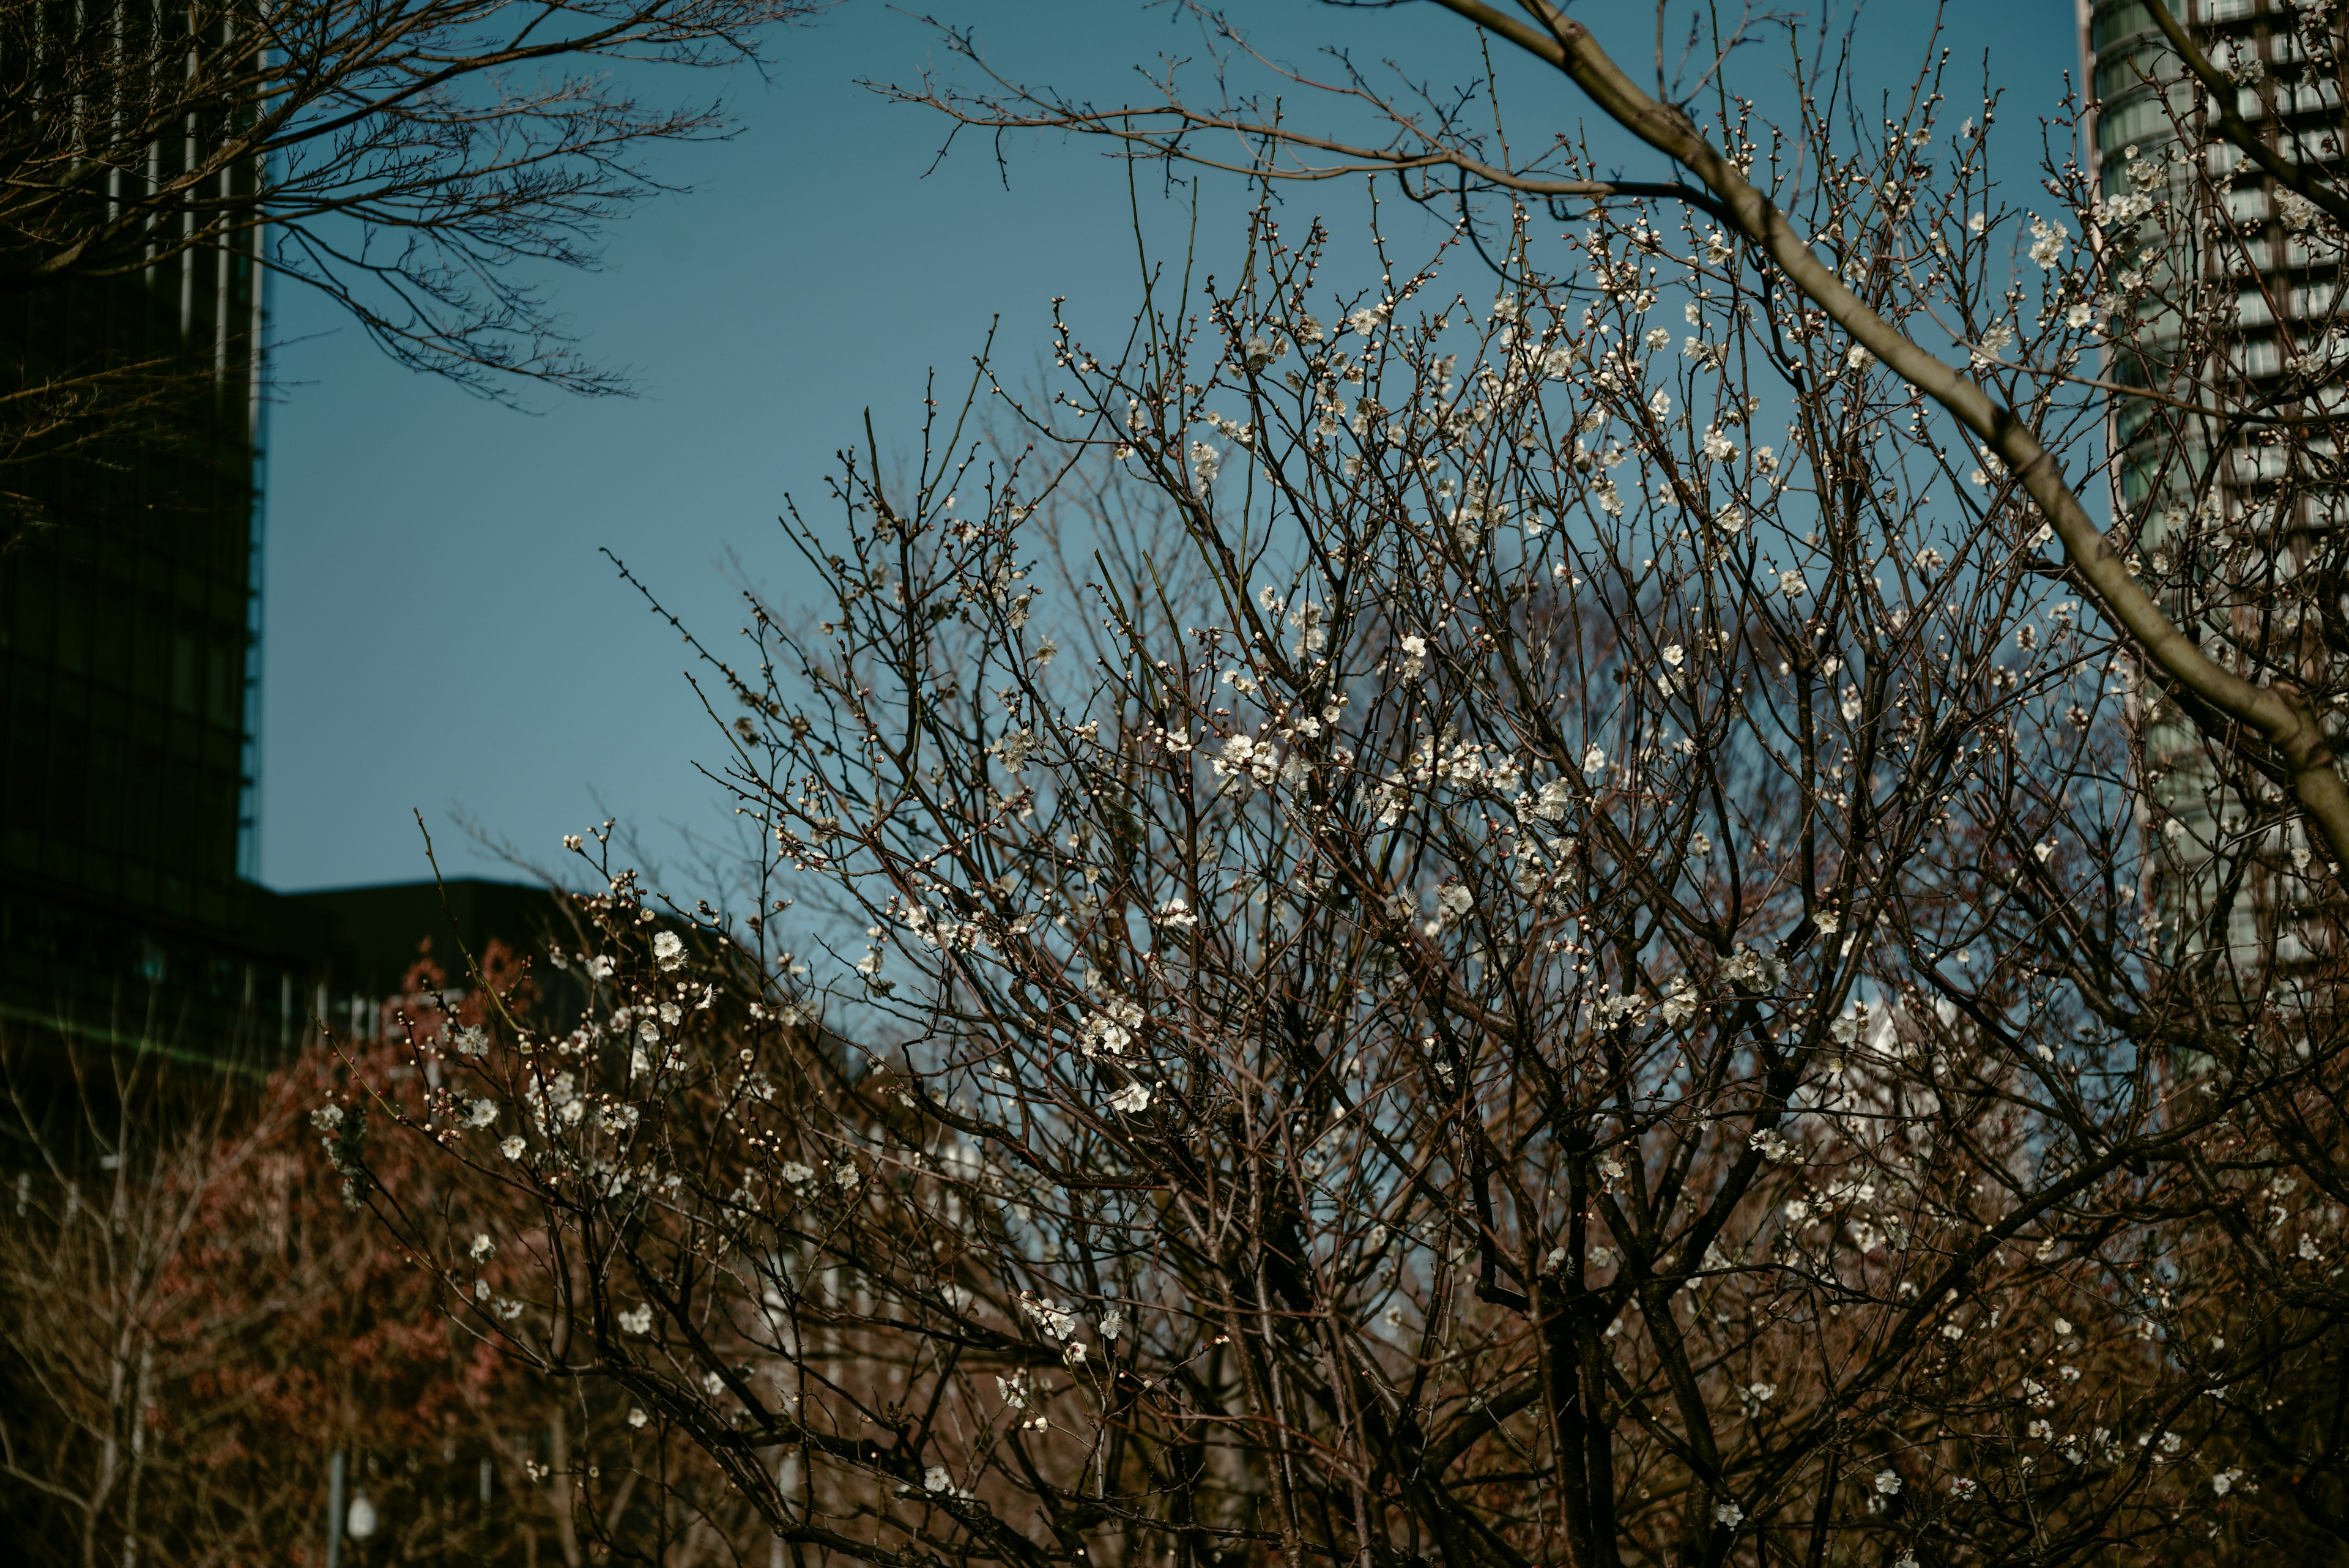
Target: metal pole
(334, 1510)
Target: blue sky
(442, 634)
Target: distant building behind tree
(2206, 488)
(131, 617)
(157, 166)
(131, 658)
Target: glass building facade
(130, 670)
(130, 596)
(132, 918)
(2212, 497)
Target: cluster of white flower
(1452, 900)
(949, 935)
(1054, 1319)
(1016, 1392)
(1990, 347)
(1248, 759)
(555, 1098)
(1110, 1027)
(1751, 971)
(1618, 1008)
(2047, 241)
(1206, 463)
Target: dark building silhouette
(130, 596)
(373, 936)
(129, 666)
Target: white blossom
(1749, 971)
(1049, 1314)
(1110, 1027)
(1555, 797)
(2048, 239)
(1014, 750)
(1991, 349)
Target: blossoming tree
(1515, 931)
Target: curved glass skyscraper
(2238, 523)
